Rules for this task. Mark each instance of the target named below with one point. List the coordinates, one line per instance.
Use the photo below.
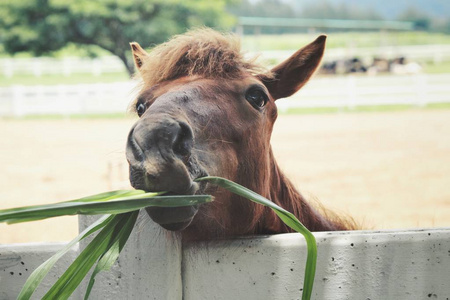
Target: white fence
(99, 98)
(352, 91)
(155, 264)
(435, 53)
(328, 91)
(39, 66)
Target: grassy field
(250, 43)
(76, 78)
(432, 68)
(292, 41)
(69, 50)
(343, 39)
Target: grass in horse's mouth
(121, 209)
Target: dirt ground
(386, 170)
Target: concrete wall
(400, 264)
(411, 264)
(18, 261)
(149, 266)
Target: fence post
(67, 66)
(37, 67)
(149, 266)
(351, 88)
(421, 85)
(17, 101)
(8, 67)
(96, 67)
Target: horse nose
(158, 152)
(167, 139)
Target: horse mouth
(177, 218)
(160, 156)
(170, 218)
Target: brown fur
(203, 52)
(201, 77)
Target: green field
(343, 39)
(75, 78)
(432, 68)
(249, 43)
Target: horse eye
(140, 109)
(257, 98)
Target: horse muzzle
(159, 152)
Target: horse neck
(283, 193)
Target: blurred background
(367, 137)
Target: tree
(421, 19)
(44, 26)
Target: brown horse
(205, 110)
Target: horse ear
(138, 54)
(293, 73)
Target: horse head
(205, 110)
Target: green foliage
(103, 250)
(122, 208)
(311, 9)
(38, 275)
(421, 20)
(44, 26)
(431, 15)
(109, 204)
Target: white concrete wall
(402, 264)
(412, 264)
(18, 261)
(149, 266)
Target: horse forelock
(202, 52)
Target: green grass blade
(288, 218)
(116, 206)
(111, 255)
(76, 272)
(38, 275)
(113, 195)
(99, 197)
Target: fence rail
(81, 99)
(352, 91)
(39, 66)
(391, 264)
(435, 53)
(327, 91)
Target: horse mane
(203, 52)
(314, 216)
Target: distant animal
(343, 66)
(206, 110)
(401, 66)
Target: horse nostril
(183, 143)
(134, 151)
